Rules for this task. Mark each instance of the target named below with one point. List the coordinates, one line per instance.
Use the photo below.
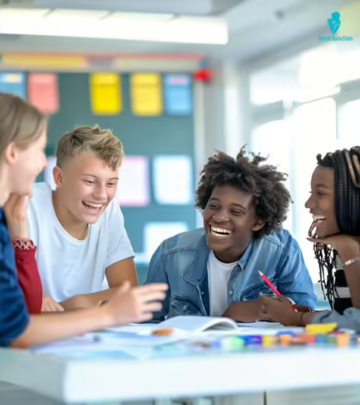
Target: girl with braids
(335, 232)
(215, 270)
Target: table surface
(81, 380)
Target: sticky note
(146, 97)
(13, 83)
(43, 92)
(133, 188)
(173, 179)
(178, 94)
(105, 90)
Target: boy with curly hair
(214, 271)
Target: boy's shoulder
(281, 238)
(41, 194)
(191, 240)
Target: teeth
(318, 217)
(92, 205)
(220, 230)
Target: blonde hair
(20, 122)
(102, 142)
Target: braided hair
(347, 211)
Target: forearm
(246, 311)
(47, 328)
(352, 274)
(86, 301)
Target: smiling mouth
(220, 232)
(94, 208)
(318, 220)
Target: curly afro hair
(263, 182)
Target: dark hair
(263, 182)
(347, 210)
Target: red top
(29, 279)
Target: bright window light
(123, 26)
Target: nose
(220, 217)
(310, 203)
(100, 192)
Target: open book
(182, 324)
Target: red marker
(269, 283)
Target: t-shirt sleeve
(14, 316)
(119, 246)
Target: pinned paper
(48, 173)
(43, 92)
(173, 179)
(133, 189)
(146, 94)
(156, 232)
(105, 93)
(178, 95)
(13, 83)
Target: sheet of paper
(173, 179)
(156, 232)
(133, 188)
(13, 83)
(146, 98)
(105, 93)
(48, 175)
(43, 92)
(178, 94)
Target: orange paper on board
(43, 92)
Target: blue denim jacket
(181, 262)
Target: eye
(320, 194)
(89, 181)
(236, 212)
(112, 184)
(212, 206)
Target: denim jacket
(181, 262)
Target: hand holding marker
(268, 282)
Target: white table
(314, 372)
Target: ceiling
(256, 27)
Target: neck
(231, 255)
(72, 225)
(5, 189)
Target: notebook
(185, 324)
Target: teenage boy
(78, 229)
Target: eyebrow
(238, 205)
(322, 185)
(92, 175)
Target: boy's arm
(294, 280)
(116, 274)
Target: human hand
(136, 305)
(50, 305)
(15, 210)
(280, 310)
(348, 247)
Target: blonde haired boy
(79, 228)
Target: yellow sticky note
(146, 96)
(349, 17)
(105, 93)
(319, 329)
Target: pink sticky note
(43, 92)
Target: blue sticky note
(13, 83)
(178, 94)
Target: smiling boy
(78, 229)
(215, 270)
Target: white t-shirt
(218, 274)
(69, 266)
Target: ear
(11, 154)
(258, 225)
(58, 176)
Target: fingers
(152, 296)
(150, 288)
(152, 307)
